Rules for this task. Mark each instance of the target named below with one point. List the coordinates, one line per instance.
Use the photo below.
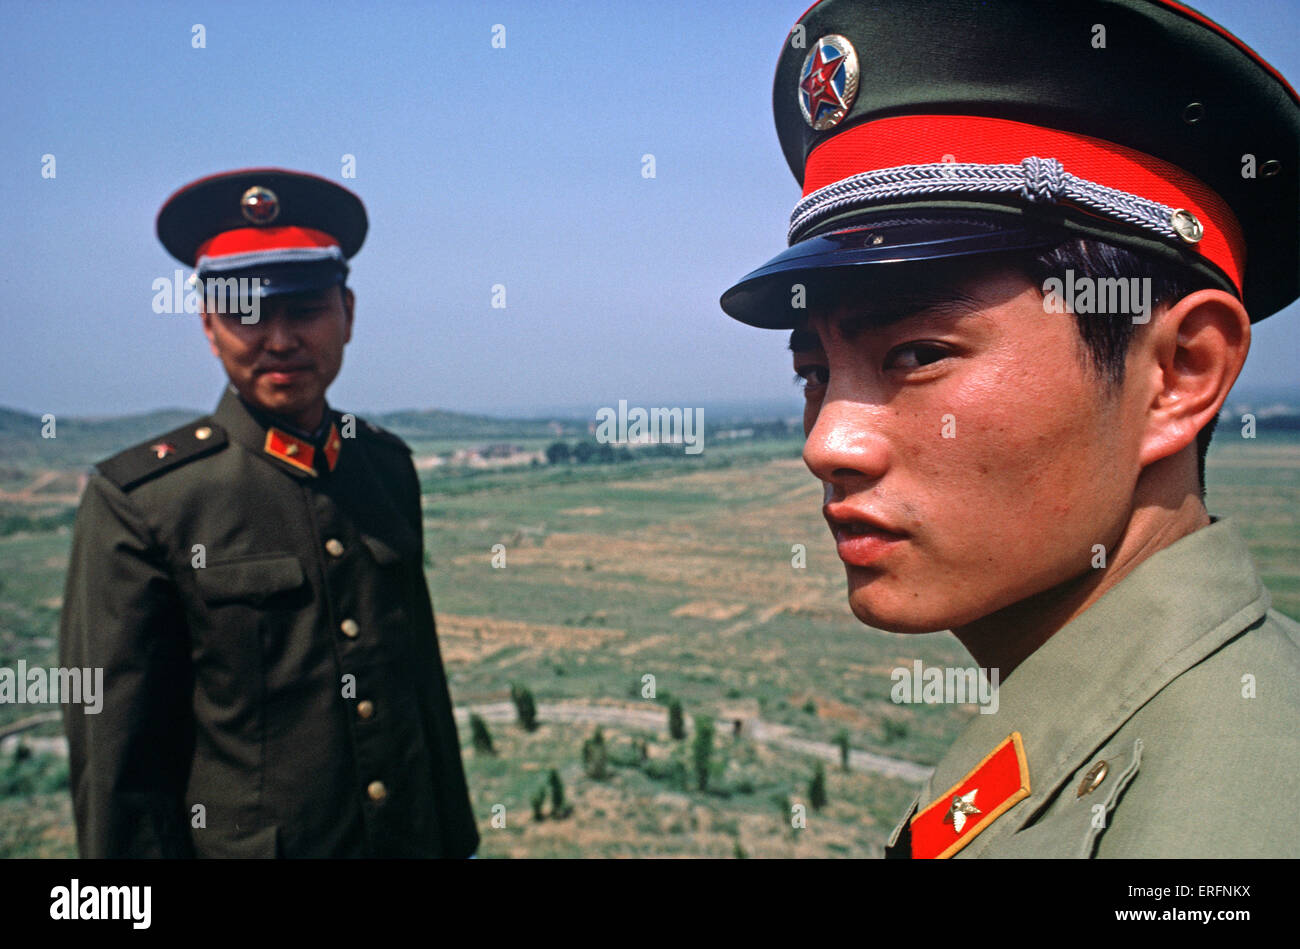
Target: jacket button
(365, 708)
(377, 791)
(1092, 779)
(350, 628)
(334, 546)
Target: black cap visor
(826, 264)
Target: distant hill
(436, 423)
(80, 442)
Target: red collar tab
(333, 445)
(302, 454)
(292, 451)
(959, 814)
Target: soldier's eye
(811, 376)
(915, 355)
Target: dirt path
(781, 736)
(654, 718)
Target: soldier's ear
(349, 301)
(1192, 356)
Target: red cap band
(243, 240)
(925, 139)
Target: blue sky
(478, 166)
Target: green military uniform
(255, 593)
(1160, 723)
(273, 685)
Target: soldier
(252, 583)
(1021, 281)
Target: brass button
(365, 708)
(1186, 225)
(377, 791)
(350, 628)
(203, 434)
(334, 546)
(1092, 778)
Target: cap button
(1186, 225)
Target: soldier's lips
(284, 375)
(861, 541)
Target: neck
(309, 420)
(306, 422)
(1005, 639)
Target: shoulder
(1219, 753)
(371, 433)
(156, 457)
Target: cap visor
(825, 264)
(273, 281)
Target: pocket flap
(250, 579)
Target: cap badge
(259, 206)
(828, 82)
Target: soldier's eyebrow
(858, 316)
(804, 341)
(941, 300)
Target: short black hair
(1106, 337)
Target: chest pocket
(250, 607)
(258, 581)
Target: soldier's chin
(283, 399)
(893, 611)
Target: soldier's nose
(846, 442)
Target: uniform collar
(281, 444)
(1078, 688)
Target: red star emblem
(162, 449)
(818, 85)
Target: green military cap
(932, 129)
(292, 231)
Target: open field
(676, 568)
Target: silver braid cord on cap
(1035, 180)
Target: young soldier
(252, 583)
(1021, 280)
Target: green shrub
(524, 706)
(595, 757)
(702, 750)
(676, 721)
(480, 735)
(817, 788)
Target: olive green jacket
(272, 679)
(1163, 722)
